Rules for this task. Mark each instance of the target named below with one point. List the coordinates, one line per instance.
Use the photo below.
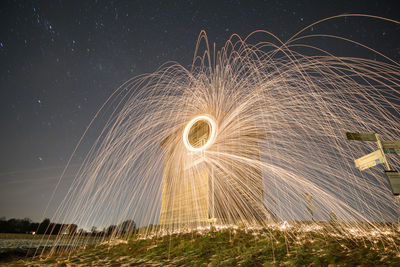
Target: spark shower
(252, 134)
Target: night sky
(60, 60)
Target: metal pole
(380, 147)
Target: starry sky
(60, 60)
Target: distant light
(284, 225)
(189, 130)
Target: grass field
(232, 247)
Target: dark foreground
(231, 248)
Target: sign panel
(370, 160)
(391, 146)
(394, 179)
(361, 136)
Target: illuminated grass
(233, 247)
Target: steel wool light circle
(189, 127)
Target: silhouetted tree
(93, 230)
(44, 227)
(126, 227)
(25, 225)
(72, 228)
(110, 230)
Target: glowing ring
(211, 124)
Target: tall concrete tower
(198, 190)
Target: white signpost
(370, 160)
(378, 157)
(373, 158)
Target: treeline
(26, 226)
(126, 227)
